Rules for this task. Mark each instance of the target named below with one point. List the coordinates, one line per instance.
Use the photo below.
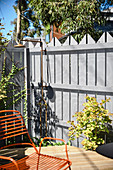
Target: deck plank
(81, 159)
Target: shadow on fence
(42, 127)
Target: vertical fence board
(59, 132)
(83, 41)
(51, 79)
(59, 110)
(74, 109)
(73, 41)
(102, 38)
(45, 68)
(109, 69)
(17, 57)
(109, 107)
(66, 98)
(8, 56)
(65, 134)
(100, 97)
(66, 106)
(74, 72)
(66, 81)
(101, 68)
(65, 69)
(90, 40)
(33, 67)
(82, 69)
(91, 69)
(37, 72)
(59, 103)
(81, 101)
(52, 106)
(51, 68)
(73, 105)
(66, 43)
(109, 38)
(58, 66)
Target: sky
(7, 14)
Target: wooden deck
(81, 159)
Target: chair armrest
(54, 139)
(10, 159)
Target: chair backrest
(12, 128)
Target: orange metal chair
(12, 128)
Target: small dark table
(106, 150)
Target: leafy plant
(47, 142)
(91, 122)
(9, 91)
(3, 40)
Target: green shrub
(48, 142)
(91, 122)
(10, 92)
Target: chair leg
(69, 168)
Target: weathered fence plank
(45, 68)
(58, 69)
(91, 69)
(82, 69)
(101, 68)
(109, 69)
(74, 69)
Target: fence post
(27, 81)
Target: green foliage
(90, 123)
(9, 93)
(47, 142)
(29, 22)
(87, 14)
(69, 15)
(3, 40)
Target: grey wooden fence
(73, 71)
